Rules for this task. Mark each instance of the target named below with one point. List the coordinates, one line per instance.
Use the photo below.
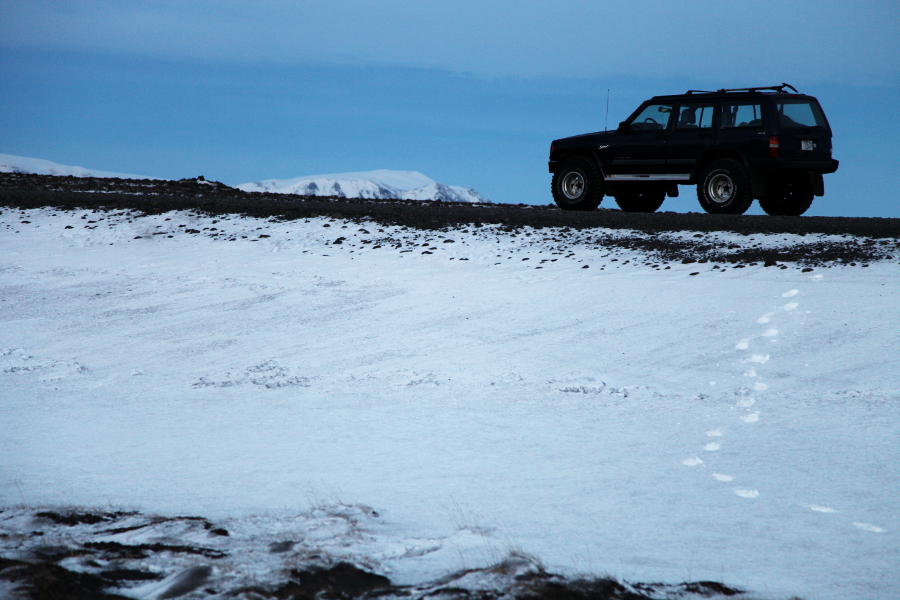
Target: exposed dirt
(76, 568)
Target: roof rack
(774, 88)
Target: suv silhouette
(735, 145)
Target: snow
(24, 164)
(379, 184)
(737, 426)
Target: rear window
(799, 113)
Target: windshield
(653, 117)
(799, 113)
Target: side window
(741, 114)
(695, 115)
(654, 117)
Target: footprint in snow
(746, 493)
(742, 345)
(692, 462)
(858, 525)
(722, 477)
(765, 318)
(790, 294)
(791, 305)
(711, 447)
(751, 418)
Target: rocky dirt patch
(62, 555)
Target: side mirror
(624, 127)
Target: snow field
(734, 425)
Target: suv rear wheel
(636, 197)
(788, 197)
(724, 188)
(577, 185)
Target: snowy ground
(656, 424)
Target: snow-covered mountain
(23, 164)
(379, 184)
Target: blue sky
(469, 93)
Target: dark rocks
(72, 519)
(153, 197)
(187, 581)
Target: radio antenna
(606, 123)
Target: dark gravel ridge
(866, 239)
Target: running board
(651, 177)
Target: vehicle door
(691, 135)
(742, 127)
(640, 146)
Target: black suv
(735, 145)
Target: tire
(577, 184)
(636, 197)
(788, 197)
(724, 188)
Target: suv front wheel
(577, 185)
(724, 188)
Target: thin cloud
(760, 41)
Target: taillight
(774, 145)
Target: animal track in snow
(770, 332)
(714, 433)
(759, 358)
(746, 493)
(722, 477)
(790, 294)
(692, 462)
(747, 402)
(711, 447)
(791, 305)
(742, 345)
(765, 318)
(751, 372)
(759, 386)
